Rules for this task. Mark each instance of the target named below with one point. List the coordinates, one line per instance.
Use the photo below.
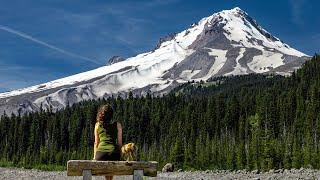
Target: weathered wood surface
(111, 168)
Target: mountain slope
(226, 43)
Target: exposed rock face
(168, 37)
(226, 43)
(115, 59)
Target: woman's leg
(105, 156)
(109, 177)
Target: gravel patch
(27, 174)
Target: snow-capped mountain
(115, 59)
(226, 43)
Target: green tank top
(108, 137)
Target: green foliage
(240, 122)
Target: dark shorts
(107, 156)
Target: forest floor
(27, 174)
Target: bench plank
(111, 168)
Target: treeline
(241, 122)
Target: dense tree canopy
(240, 122)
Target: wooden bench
(87, 168)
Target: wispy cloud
(28, 37)
(160, 2)
(121, 8)
(97, 30)
(114, 23)
(83, 20)
(316, 42)
(297, 11)
(16, 76)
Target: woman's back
(108, 137)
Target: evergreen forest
(240, 122)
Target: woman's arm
(96, 140)
(119, 127)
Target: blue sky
(83, 35)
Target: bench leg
(138, 175)
(86, 174)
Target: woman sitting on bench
(108, 137)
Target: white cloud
(45, 44)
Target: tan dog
(127, 152)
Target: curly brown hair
(105, 114)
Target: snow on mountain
(226, 43)
(241, 28)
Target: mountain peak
(236, 9)
(239, 27)
(226, 43)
